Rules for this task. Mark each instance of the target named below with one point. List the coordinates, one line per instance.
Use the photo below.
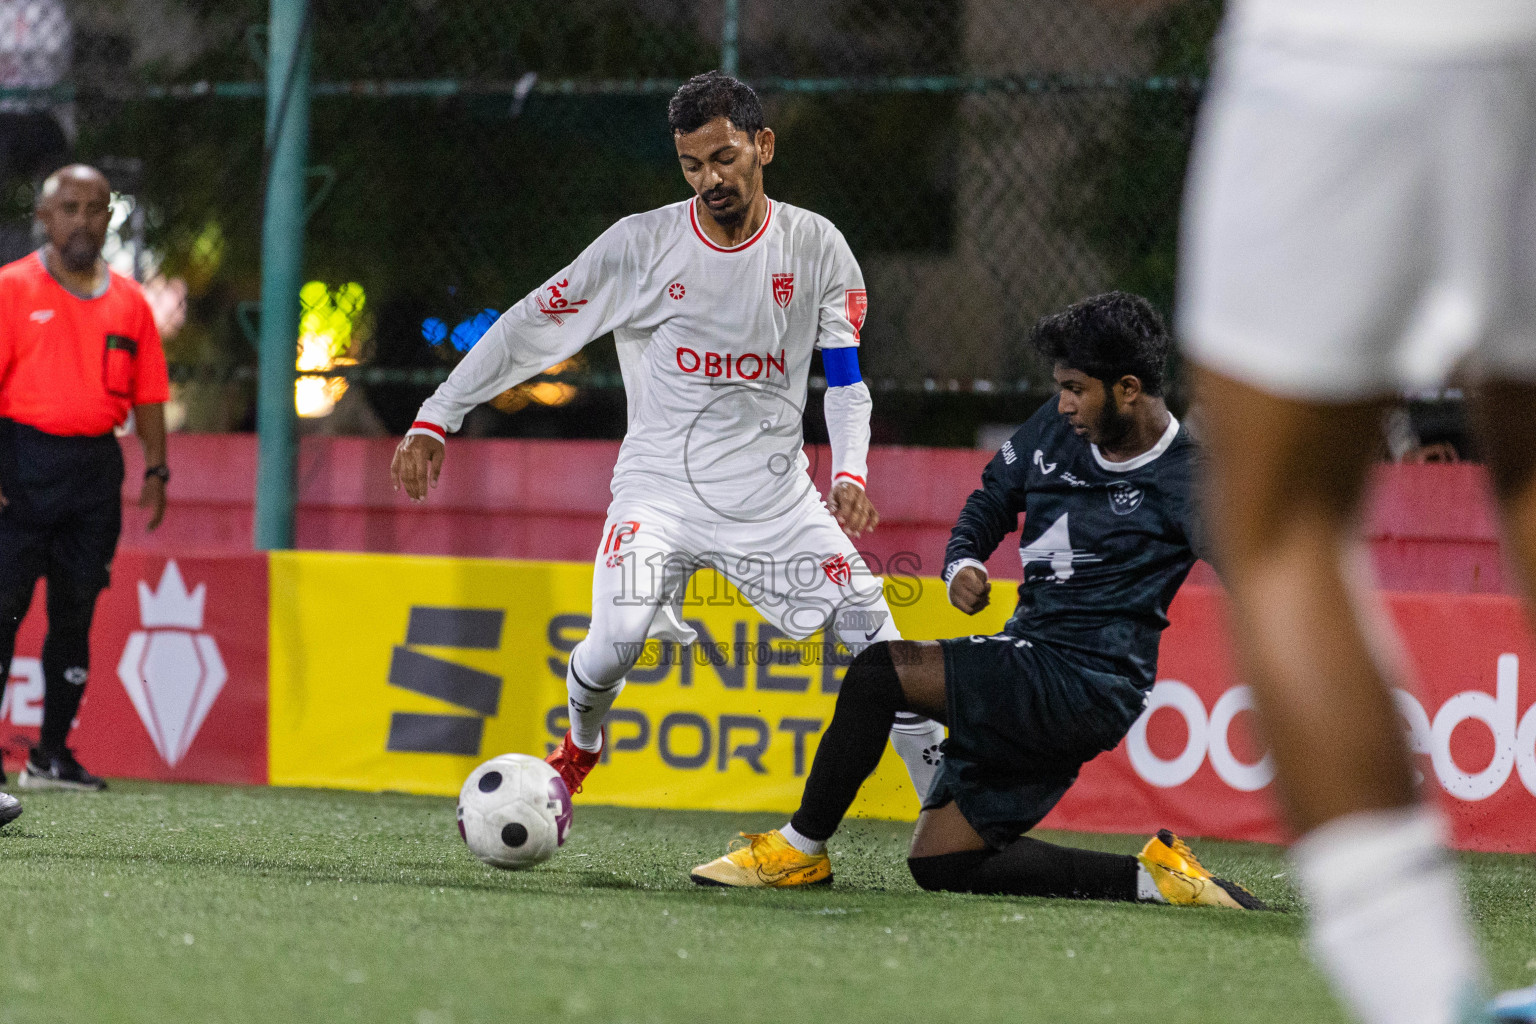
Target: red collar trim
(693, 218)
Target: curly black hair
(1106, 337)
(714, 94)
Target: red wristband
(441, 434)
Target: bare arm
(149, 423)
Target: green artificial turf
(163, 904)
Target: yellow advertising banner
(394, 672)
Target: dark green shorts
(1023, 718)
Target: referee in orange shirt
(78, 351)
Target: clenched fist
(969, 590)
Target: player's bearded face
(725, 201)
(1111, 425)
(725, 167)
(1091, 407)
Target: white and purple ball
(514, 811)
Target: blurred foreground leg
(1284, 494)
(1504, 412)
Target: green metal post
(728, 30)
(282, 264)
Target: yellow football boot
(1185, 883)
(765, 860)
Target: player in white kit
(716, 305)
(1360, 221)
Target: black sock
(853, 744)
(66, 663)
(13, 606)
(948, 872)
(1029, 867)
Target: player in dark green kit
(1103, 476)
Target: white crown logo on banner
(173, 673)
(171, 605)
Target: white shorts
(798, 569)
(1357, 225)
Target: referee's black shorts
(1024, 716)
(63, 511)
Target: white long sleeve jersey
(714, 345)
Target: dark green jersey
(1105, 545)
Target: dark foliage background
(988, 160)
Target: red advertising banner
(179, 691)
(1191, 763)
(178, 684)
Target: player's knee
(70, 609)
(13, 604)
(601, 666)
(934, 877)
(861, 623)
(916, 725)
(946, 872)
(872, 679)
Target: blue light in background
(463, 337)
(470, 331)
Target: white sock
(917, 740)
(588, 707)
(809, 847)
(1387, 925)
(851, 627)
(1146, 889)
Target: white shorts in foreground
(1359, 223)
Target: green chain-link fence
(988, 160)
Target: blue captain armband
(841, 366)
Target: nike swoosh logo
(871, 636)
(784, 874)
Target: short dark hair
(714, 94)
(1106, 337)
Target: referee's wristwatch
(162, 471)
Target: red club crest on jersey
(676, 290)
(838, 570)
(783, 289)
(857, 300)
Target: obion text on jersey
(747, 366)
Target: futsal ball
(514, 811)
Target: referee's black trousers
(61, 522)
